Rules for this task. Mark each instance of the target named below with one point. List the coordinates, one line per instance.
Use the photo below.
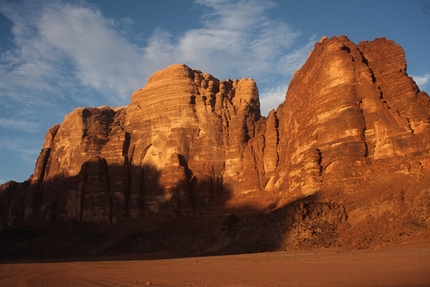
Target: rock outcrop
(177, 147)
(351, 114)
(353, 132)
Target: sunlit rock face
(351, 113)
(192, 120)
(353, 125)
(176, 148)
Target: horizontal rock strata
(353, 133)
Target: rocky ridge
(343, 161)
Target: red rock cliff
(176, 148)
(351, 114)
(353, 130)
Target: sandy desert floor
(404, 265)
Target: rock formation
(175, 148)
(352, 139)
(351, 113)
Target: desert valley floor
(405, 264)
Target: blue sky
(57, 55)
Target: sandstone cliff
(351, 114)
(177, 147)
(349, 147)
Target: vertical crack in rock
(204, 101)
(187, 185)
(384, 101)
(41, 167)
(256, 165)
(106, 184)
(388, 65)
(128, 190)
(184, 163)
(225, 121)
(128, 159)
(363, 133)
(143, 180)
(82, 189)
(44, 156)
(246, 132)
(126, 149)
(409, 125)
(276, 128)
(366, 62)
(319, 161)
(212, 101)
(193, 102)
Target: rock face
(353, 132)
(177, 147)
(351, 113)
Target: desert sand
(401, 265)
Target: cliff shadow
(119, 212)
(110, 210)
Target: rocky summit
(190, 162)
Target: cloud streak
(103, 58)
(75, 45)
(62, 54)
(19, 125)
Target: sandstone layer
(344, 160)
(177, 147)
(352, 113)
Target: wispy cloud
(65, 53)
(17, 144)
(238, 39)
(274, 92)
(20, 125)
(422, 80)
(61, 47)
(270, 98)
(104, 59)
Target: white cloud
(65, 54)
(422, 80)
(238, 40)
(293, 61)
(104, 59)
(20, 125)
(60, 50)
(69, 50)
(271, 98)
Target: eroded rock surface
(351, 140)
(351, 113)
(176, 148)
